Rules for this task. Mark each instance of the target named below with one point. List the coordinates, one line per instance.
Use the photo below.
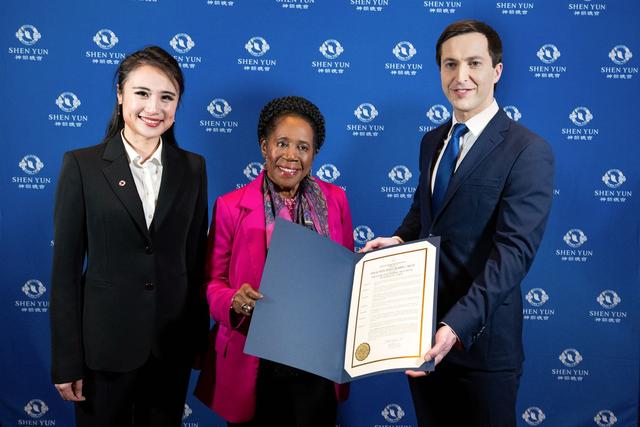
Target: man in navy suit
(485, 187)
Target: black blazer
(491, 223)
(120, 291)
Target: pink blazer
(236, 255)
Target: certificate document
(391, 314)
(343, 315)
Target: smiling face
(467, 74)
(149, 100)
(288, 152)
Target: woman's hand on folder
(244, 300)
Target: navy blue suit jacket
(491, 224)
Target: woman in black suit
(127, 313)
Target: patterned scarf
(308, 207)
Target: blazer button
(148, 249)
(148, 286)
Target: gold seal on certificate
(362, 351)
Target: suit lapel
(252, 204)
(488, 140)
(118, 174)
(173, 170)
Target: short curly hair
(294, 106)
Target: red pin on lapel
(122, 183)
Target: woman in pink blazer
(241, 388)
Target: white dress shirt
(147, 177)
(476, 125)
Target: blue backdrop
(571, 74)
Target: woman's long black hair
(156, 57)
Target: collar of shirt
(477, 123)
(135, 158)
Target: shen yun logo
(614, 179)
(296, 4)
(105, 39)
(570, 358)
(513, 112)
(182, 43)
(36, 408)
(575, 239)
(608, 300)
(400, 174)
(392, 413)
(620, 55)
(31, 164)
(533, 416)
(328, 173)
(605, 418)
(68, 102)
(33, 289)
(442, 7)
(548, 54)
(187, 411)
(366, 112)
(331, 49)
(252, 170)
(369, 5)
(513, 8)
(404, 51)
(257, 46)
(28, 35)
(219, 108)
(580, 116)
(537, 297)
(362, 234)
(438, 114)
(588, 8)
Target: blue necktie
(446, 167)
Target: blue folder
(302, 319)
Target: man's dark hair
(472, 26)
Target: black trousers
(457, 396)
(150, 396)
(293, 398)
